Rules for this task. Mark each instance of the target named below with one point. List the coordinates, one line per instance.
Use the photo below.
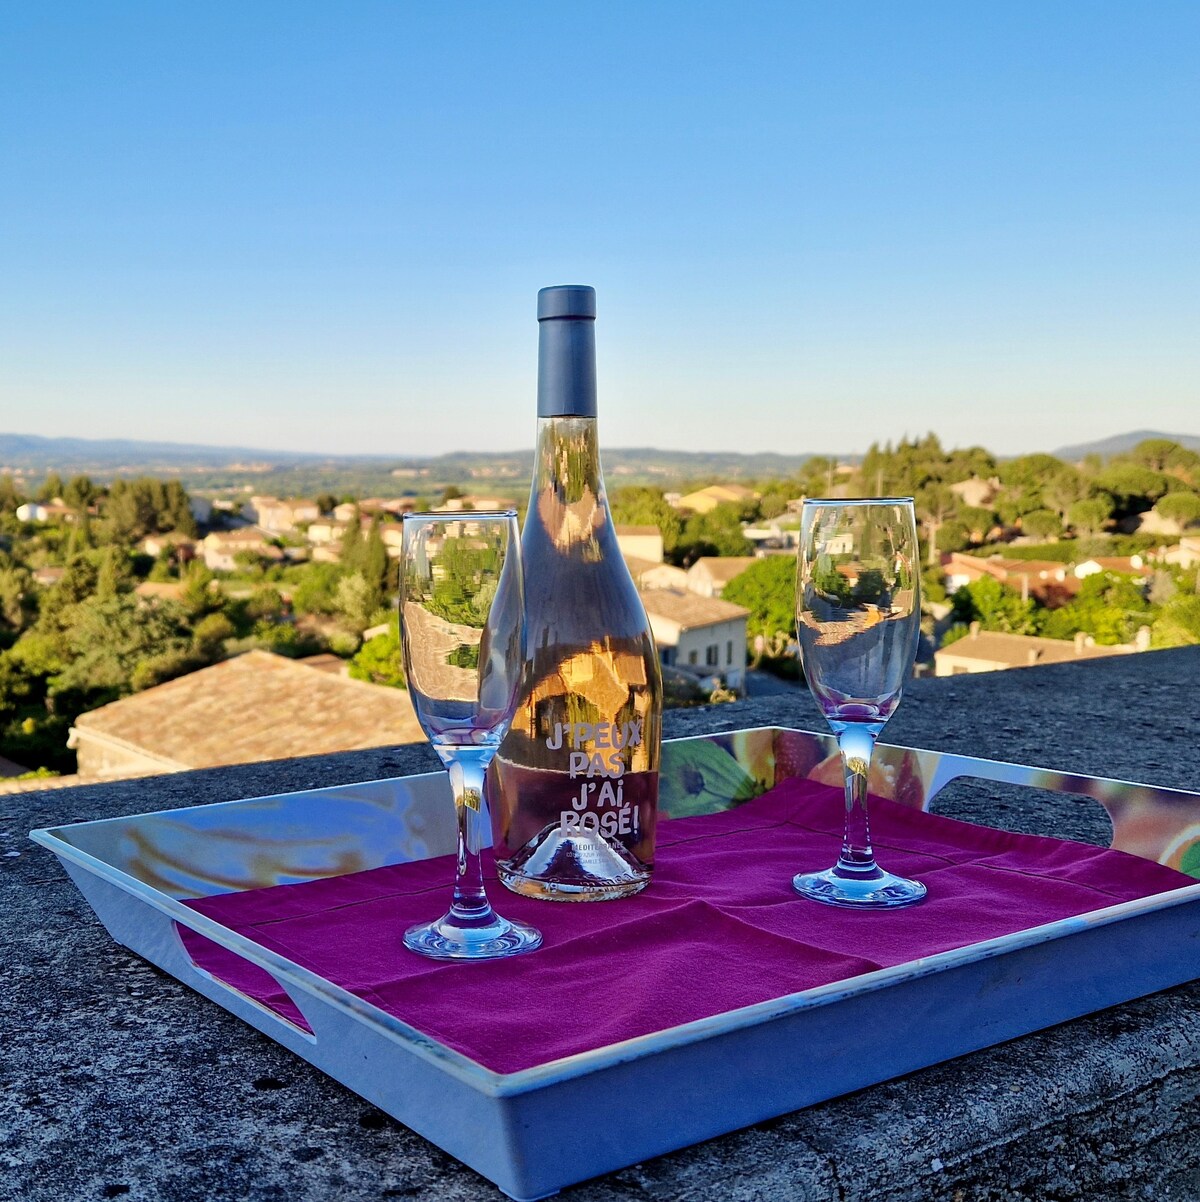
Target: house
(394, 506)
(222, 547)
(709, 575)
(706, 499)
(51, 511)
(772, 536)
(182, 547)
(48, 577)
(641, 542)
(325, 531)
(975, 492)
(281, 517)
(257, 706)
(1036, 577)
(649, 573)
(995, 651)
(1123, 565)
(461, 504)
(1184, 554)
(704, 635)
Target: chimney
(1032, 656)
(974, 630)
(1141, 641)
(1080, 642)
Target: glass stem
(467, 768)
(857, 743)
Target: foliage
(1089, 516)
(717, 532)
(633, 506)
(379, 661)
(1178, 625)
(767, 588)
(1181, 507)
(1041, 523)
(995, 607)
(1109, 607)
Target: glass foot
(446, 939)
(872, 889)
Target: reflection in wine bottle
(574, 790)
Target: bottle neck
(567, 499)
(567, 367)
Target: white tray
(678, 1086)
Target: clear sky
(810, 225)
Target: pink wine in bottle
(574, 788)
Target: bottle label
(596, 766)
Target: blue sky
(317, 226)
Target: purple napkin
(719, 927)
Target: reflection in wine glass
(857, 618)
(462, 618)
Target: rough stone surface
(116, 1081)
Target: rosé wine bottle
(574, 788)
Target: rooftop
(255, 707)
(690, 609)
(1021, 650)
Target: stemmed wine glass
(857, 618)
(462, 617)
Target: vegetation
(77, 629)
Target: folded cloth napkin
(720, 926)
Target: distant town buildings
(703, 635)
(994, 651)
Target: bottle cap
(567, 300)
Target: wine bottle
(574, 788)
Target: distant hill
(1118, 444)
(103, 458)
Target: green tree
(1108, 606)
(1091, 515)
(354, 600)
(1041, 523)
(1178, 625)
(379, 661)
(1154, 453)
(718, 532)
(995, 607)
(1181, 507)
(767, 588)
(638, 506)
(51, 489)
(79, 493)
(934, 505)
(1026, 473)
(1134, 489)
(10, 496)
(326, 502)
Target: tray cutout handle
(240, 976)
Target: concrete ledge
(118, 1082)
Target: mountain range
(103, 457)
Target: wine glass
(462, 618)
(857, 618)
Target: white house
(641, 542)
(709, 575)
(702, 635)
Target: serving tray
(652, 1093)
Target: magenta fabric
(719, 928)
